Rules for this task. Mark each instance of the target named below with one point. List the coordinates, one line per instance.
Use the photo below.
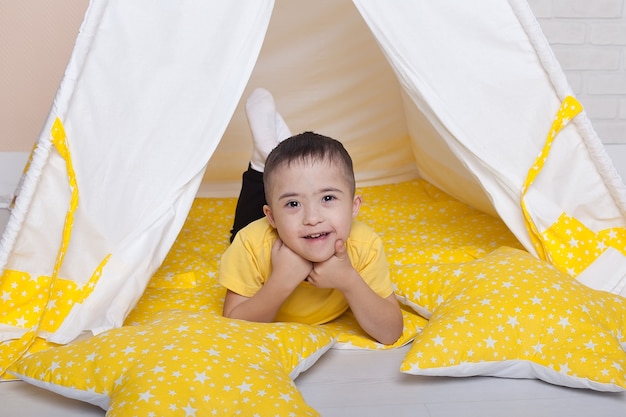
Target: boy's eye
(328, 198)
(293, 204)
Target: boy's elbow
(389, 341)
(393, 332)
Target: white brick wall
(589, 39)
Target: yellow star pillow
(512, 315)
(184, 363)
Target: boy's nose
(312, 215)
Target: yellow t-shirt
(247, 263)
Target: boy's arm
(380, 317)
(261, 307)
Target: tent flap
(146, 97)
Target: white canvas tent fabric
(465, 98)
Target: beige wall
(36, 40)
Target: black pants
(251, 200)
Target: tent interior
(452, 98)
(329, 75)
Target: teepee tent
(466, 95)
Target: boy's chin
(318, 258)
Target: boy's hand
(288, 266)
(332, 272)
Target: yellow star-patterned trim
(568, 243)
(568, 110)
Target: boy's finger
(340, 248)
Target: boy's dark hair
(306, 147)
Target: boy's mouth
(316, 235)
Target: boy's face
(310, 203)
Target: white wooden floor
(364, 384)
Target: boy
(308, 260)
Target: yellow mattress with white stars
(474, 303)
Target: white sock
(266, 125)
(282, 130)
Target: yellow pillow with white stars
(512, 315)
(184, 363)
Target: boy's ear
(356, 205)
(270, 216)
